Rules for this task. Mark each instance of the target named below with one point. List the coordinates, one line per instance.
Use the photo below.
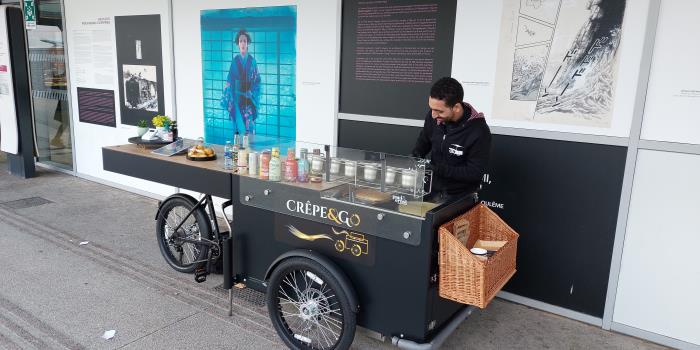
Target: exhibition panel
(660, 265)
(105, 109)
(673, 96)
(295, 45)
(398, 48)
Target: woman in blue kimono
(242, 91)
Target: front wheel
(182, 256)
(308, 307)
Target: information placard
(392, 52)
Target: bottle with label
(237, 139)
(290, 166)
(228, 156)
(242, 163)
(275, 165)
(246, 141)
(265, 165)
(303, 166)
(253, 169)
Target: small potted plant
(141, 127)
(162, 123)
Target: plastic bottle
(246, 141)
(290, 167)
(275, 165)
(265, 165)
(228, 156)
(237, 139)
(242, 161)
(303, 166)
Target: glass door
(48, 73)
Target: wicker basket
(465, 278)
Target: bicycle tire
(310, 311)
(183, 257)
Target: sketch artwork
(557, 61)
(141, 87)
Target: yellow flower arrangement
(161, 121)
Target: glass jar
(370, 172)
(335, 166)
(390, 175)
(350, 168)
(408, 178)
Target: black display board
(96, 106)
(392, 52)
(139, 67)
(562, 197)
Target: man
(458, 139)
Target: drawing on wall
(140, 87)
(558, 61)
(140, 67)
(249, 72)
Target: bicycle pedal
(200, 275)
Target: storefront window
(50, 85)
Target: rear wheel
(182, 256)
(308, 307)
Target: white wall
(673, 96)
(659, 280)
(90, 138)
(317, 61)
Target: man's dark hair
(241, 33)
(449, 90)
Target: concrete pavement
(56, 293)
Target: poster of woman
(249, 65)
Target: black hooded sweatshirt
(459, 151)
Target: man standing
(458, 139)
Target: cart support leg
(440, 337)
(227, 251)
(230, 302)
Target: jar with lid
(408, 178)
(390, 175)
(335, 166)
(370, 171)
(350, 168)
(317, 167)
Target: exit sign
(29, 13)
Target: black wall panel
(562, 197)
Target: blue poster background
(272, 32)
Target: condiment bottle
(237, 139)
(275, 165)
(265, 165)
(253, 169)
(303, 166)
(246, 141)
(242, 161)
(290, 167)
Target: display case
(372, 179)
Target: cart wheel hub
(309, 310)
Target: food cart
(356, 247)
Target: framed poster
(139, 67)
(249, 72)
(558, 61)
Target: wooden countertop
(215, 165)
